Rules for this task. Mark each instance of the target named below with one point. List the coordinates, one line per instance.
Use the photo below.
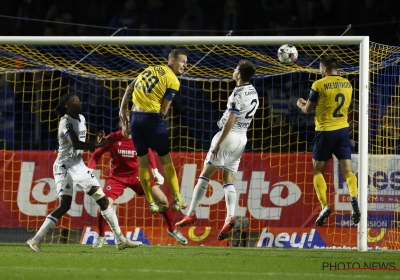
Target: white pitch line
(329, 274)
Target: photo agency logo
(338, 266)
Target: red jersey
(124, 160)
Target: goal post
(210, 82)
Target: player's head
(328, 65)
(177, 61)
(244, 71)
(69, 104)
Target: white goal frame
(362, 41)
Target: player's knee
(99, 194)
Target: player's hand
(103, 142)
(157, 176)
(100, 135)
(301, 102)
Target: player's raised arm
(125, 102)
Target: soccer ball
(287, 54)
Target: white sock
(46, 226)
(198, 194)
(112, 220)
(230, 200)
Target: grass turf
(190, 263)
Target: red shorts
(115, 186)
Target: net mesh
(277, 206)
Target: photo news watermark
(336, 266)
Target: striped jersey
(67, 155)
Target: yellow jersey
(153, 85)
(333, 97)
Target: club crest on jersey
(67, 187)
(119, 143)
(108, 188)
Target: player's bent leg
(172, 181)
(49, 223)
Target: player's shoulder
(169, 73)
(82, 118)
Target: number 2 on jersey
(148, 82)
(340, 99)
(249, 114)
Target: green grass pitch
(78, 262)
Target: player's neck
(73, 115)
(240, 83)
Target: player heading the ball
(152, 93)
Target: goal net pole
(363, 144)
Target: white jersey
(67, 155)
(244, 102)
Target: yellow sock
(144, 177)
(351, 181)
(320, 189)
(172, 179)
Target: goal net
(277, 205)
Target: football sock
(230, 200)
(172, 180)
(111, 218)
(320, 188)
(101, 223)
(46, 226)
(198, 194)
(145, 181)
(351, 181)
(168, 217)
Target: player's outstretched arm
(91, 146)
(125, 102)
(96, 156)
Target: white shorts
(77, 175)
(230, 152)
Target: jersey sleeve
(313, 97)
(172, 88)
(66, 127)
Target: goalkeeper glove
(157, 176)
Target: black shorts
(335, 142)
(148, 130)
